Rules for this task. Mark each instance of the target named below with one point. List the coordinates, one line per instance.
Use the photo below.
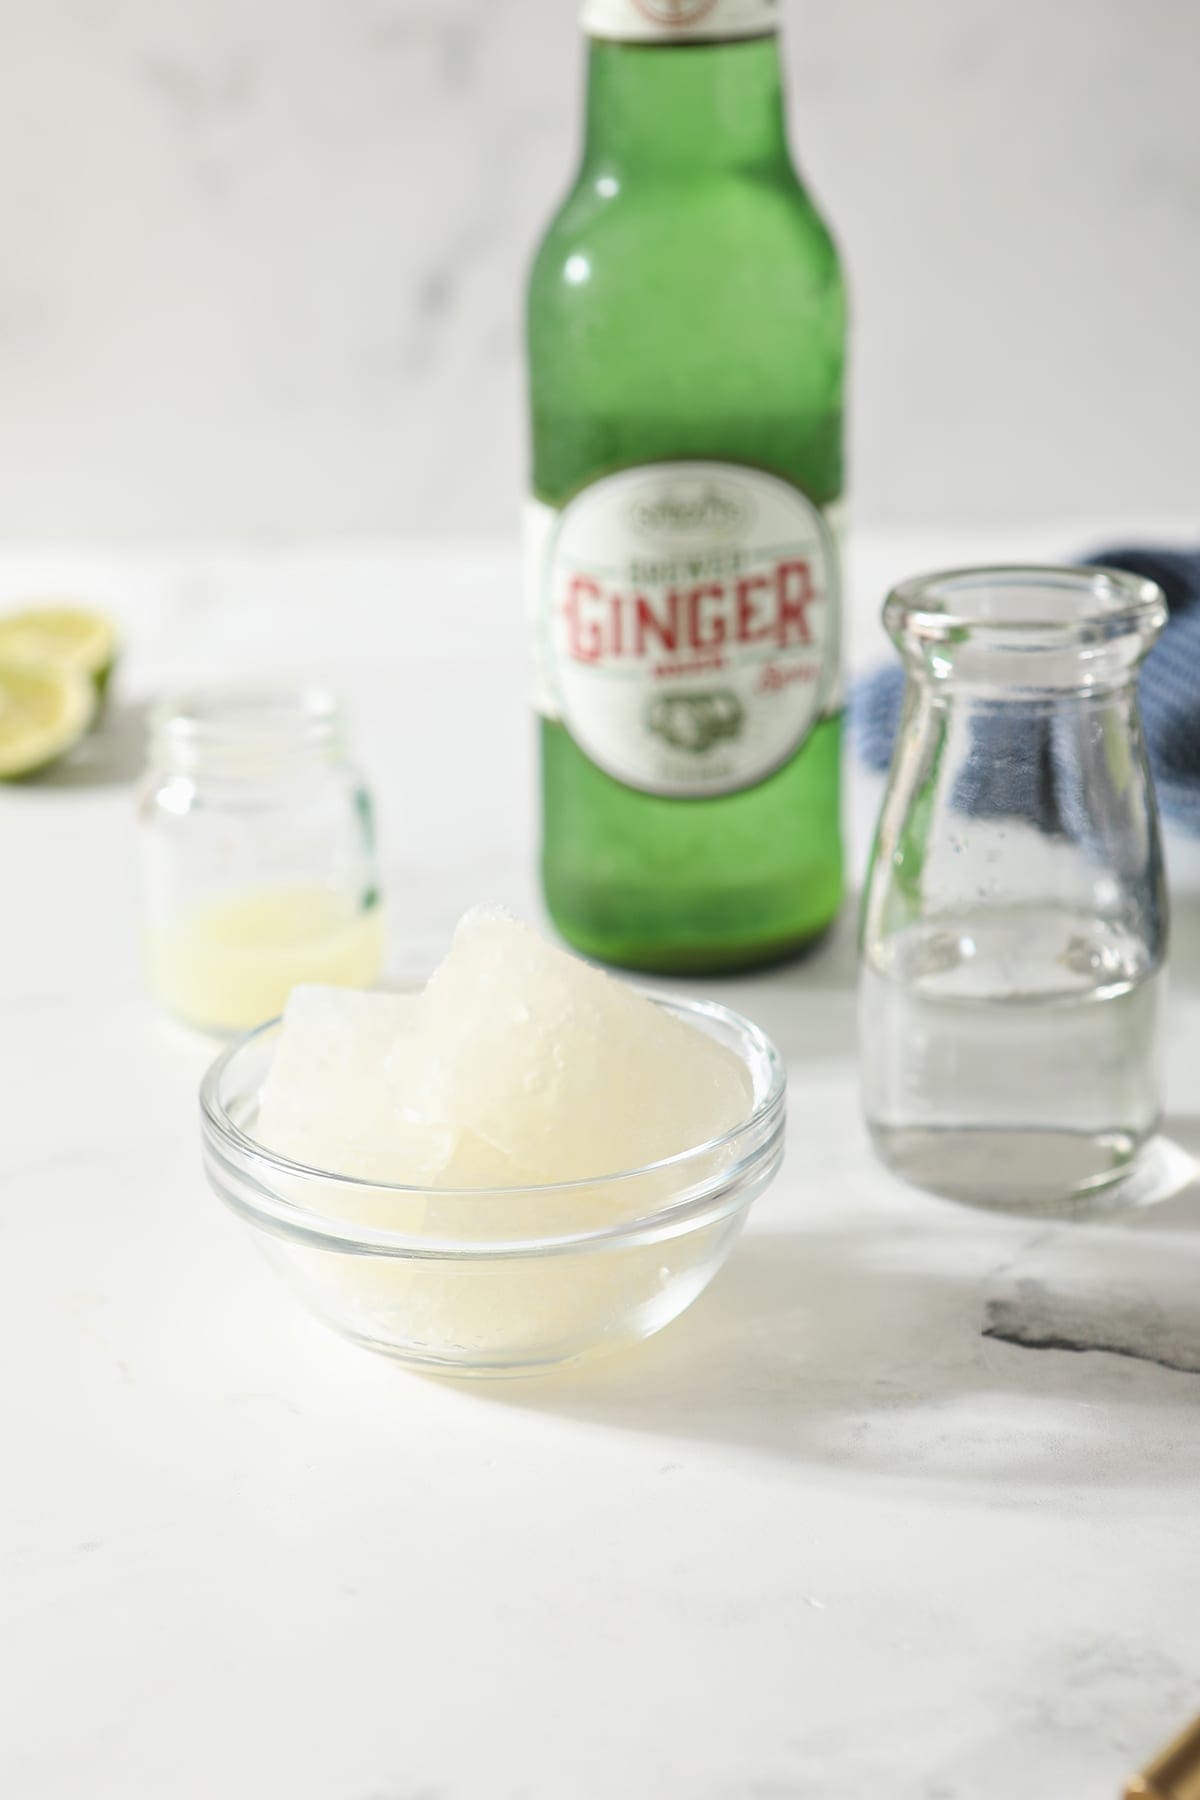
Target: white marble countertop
(832, 1534)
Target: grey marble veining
(263, 261)
(1104, 1293)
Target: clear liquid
(1011, 1059)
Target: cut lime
(44, 712)
(71, 637)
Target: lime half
(70, 637)
(44, 712)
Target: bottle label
(658, 21)
(685, 624)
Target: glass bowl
(504, 1280)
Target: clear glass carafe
(1014, 928)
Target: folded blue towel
(1170, 697)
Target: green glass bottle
(686, 340)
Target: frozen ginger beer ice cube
(340, 1097)
(561, 1069)
(327, 1101)
(518, 1066)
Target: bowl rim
(763, 1126)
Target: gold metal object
(1175, 1775)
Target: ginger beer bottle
(686, 347)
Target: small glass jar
(258, 856)
(1015, 922)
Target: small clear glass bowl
(504, 1281)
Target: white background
(260, 260)
(823, 1539)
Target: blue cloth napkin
(1170, 697)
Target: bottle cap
(662, 21)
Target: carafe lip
(1029, 606)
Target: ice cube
(556, 1070)
(327, 1102)
(518, 1066)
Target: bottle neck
(690, 107)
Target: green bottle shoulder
(730, 230)
(702, 319)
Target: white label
(686, 624)
(657, 21)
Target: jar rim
(1044, 605)
(250, 726)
